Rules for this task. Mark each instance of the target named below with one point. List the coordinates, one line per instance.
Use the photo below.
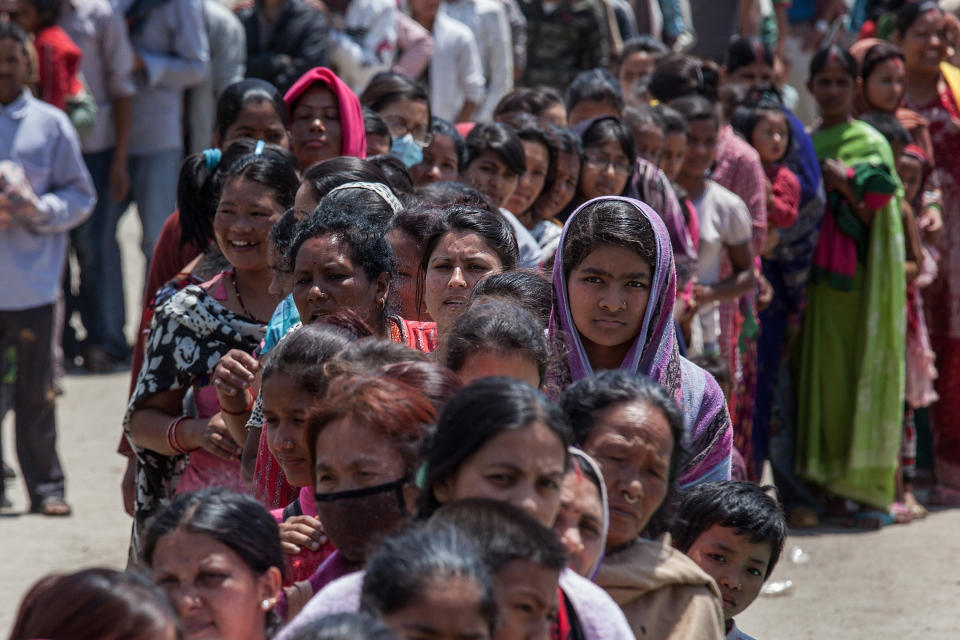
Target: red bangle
(247, 410)
(172, 438)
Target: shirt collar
(18, 108)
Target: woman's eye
(499, 478)
(547, 483)
(754, 572)
(593, 280)
(479, 268)
(636, 284)
(717, 557)
(523, 607)
(589, 531)
(210, 578)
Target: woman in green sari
(851, 360)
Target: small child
(735, 532)
(646, 128)
(764, 125)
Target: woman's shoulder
(598, 614)
(340, 596)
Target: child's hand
(932, 220)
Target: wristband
(172, 439)
(245, 411)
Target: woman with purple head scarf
(614, 285)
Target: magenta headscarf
(353, 138)
(709, 437)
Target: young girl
(442, 157)
(540, 153)
(765, 126)
(615, 287)
(608, 158)
(554, 201)
(850, 390)
(405, 107)
(584, 516)
(292, 381)
(191, 332)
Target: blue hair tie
(259, 149)
(211, 158)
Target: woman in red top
(58, 57)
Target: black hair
(606, 129)
(281, 236)
(443, 195)
(910, 11)
(417, 222)
(694, 108)
(474, 416)
(49, 12)
(528, 129)
(344, 626)
(235, 520)
(274, 172)
(93, 604)
(644, 43)
(595, 85)
(388, 87)
(638, 117)
(888, 125)
(409, 562)
(369, 354)
(397, 174)
(673, 120)
(877, 55)
(499, 328)
(504, 533)
(746, 50)
(238, 95)
(527, 100)
(586, 398)
(364, 237)
(501, 140)
(522, 287)
(492, 228)
(743, 506)
(303, 353)
(364, 202)
(747, 117)
(10, 30)
(567, 140)
(679, 75)
(373, 124)
(611, 223)
(329, 174)
(833, 53)
(198, 188)
(716, 365)
(441, 127)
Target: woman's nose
(317, 124)
(457, 279)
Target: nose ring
(322, 295)
(629, 498)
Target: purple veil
(709, 437)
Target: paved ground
(902, 582)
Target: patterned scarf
(189, 334)
(709, 437)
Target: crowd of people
(480, 319)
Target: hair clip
(211, 158)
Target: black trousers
(28, 381)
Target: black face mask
(357, 521)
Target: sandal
(53, 506)
(901, 513)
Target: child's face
(885, 86)
(527, 599)
(285, 408)
(512, 364)
(649, 142)
(832, 88)
(672, 153)
(738, 565)
(770, 137)
(910, 171)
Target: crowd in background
(480, 318)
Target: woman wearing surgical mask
(364, 440)
(405, 107)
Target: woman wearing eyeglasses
(608, 159)
(405, 107)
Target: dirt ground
(902, 582)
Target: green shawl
(851, 365)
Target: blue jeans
(153, 186)
(100, 300)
